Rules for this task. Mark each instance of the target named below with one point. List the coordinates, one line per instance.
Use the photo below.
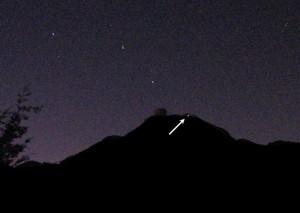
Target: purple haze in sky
(102, 67)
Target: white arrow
(181, 122)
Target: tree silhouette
(11, 129)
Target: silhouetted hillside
(195, 145)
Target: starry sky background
(101, 67)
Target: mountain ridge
(194, 143)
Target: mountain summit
(194, 144)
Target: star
(123, 47)
(53, 34)
(285, 26)
(152, 82)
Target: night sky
(101, 67)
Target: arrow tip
(182, 120)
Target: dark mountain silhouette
(149, 150)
